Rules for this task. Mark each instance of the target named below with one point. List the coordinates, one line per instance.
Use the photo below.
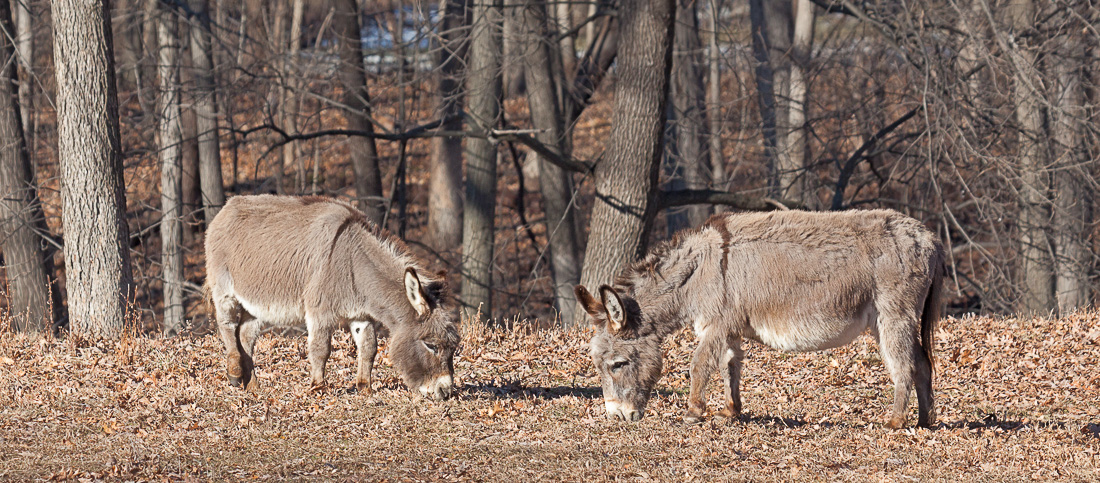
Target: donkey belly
(812, 332)
(275, 314)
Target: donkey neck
(659, 284)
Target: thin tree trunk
(26, 264)
(147, 85)
(24, 45)
(483, 87)
(688, 108)
(1036, 266)
(288, 108)
(276, 43)
(364, 153)
(512, 40)
(169, 136)
(190, 194)
(97, 254)
(445, 185)
(1072, 197)
(714, 101)
(794, 175)
(771, 39)
(566, 49)
(555, 183)
(624, 208)
(206, 113)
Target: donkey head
(629, 361)
(423, 349)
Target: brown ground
(1017, 398)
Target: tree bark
(555, 183)
(714, 101)
(483, 87)
(24, 46)
(793, 170)
(97, 255)
(25, 262)
(206, 113)
(625, 205)
(147, 85)
(364, 153)
(169, 136)
(688, 108)
(1036, 266)
(771, 39)
(1072, 197)
(445, 185)
(288, 108)
(190, 194)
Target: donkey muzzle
(439, 388)
(618, 410)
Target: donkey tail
(931, 313)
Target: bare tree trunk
(288, 108)
(24, 46)
(169, 136)
(1036, 265)
(771, 39)
(794, 175)
(364, 153)
(513, 45)
(555, 183)
(26, 264)
(483, 87)
(566, 48)
(1072, 197)
(147, 86)
(714, 101)
(445, 185)
(276, 44)
(97, 254)
(206, 113)
(624, 208)
(688, 108)
(190, 194)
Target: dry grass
(1018, 399)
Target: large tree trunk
(1036, 266)
(445, 185)
(771, 40)
(555, 183)
(26, 264)
(625, 205)
(364, 153)
(1072, 197)
(97, 254)
(483, 87)
(169, 137)
(206, 113)
(793, 165)
(688, 108)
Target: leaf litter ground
(1017, 399)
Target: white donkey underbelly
(812, 332)
(274, 314)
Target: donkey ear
(415, 292)
(594, 308)
(616, 316)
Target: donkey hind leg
(228, 314)
(731, 378)
(703, 364)
(321, 327)
(899, 347)
(366, 346)
(926, 408)
(249, 331)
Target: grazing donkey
(793, 280)
(284, 260)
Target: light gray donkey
(793, 280)
(282, 260)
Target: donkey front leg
(320, 327)
(228, 312)
(366, 346)
(702, 366)
(731, 377)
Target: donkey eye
(619, 365)
(431, 348)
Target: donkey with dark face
(793, 280)
(280, 260)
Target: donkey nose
(439, 389)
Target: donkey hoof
(313, 388)
(895, 423)
(729, 413)
(694, 417)
(236, 381)
(362, 388)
